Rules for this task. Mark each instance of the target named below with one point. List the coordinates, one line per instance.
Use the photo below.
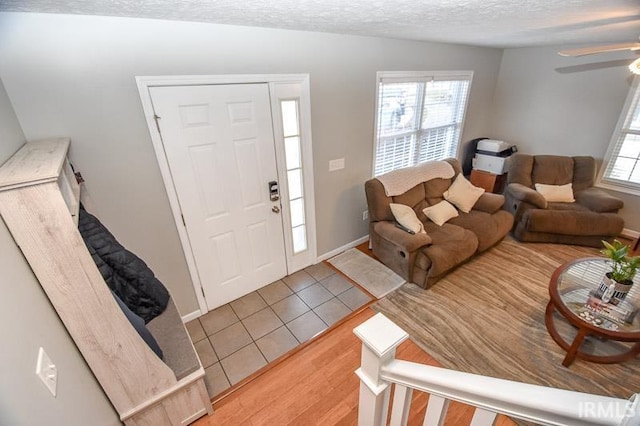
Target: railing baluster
(483, 418)
(436, 411)
(401, 405)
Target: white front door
(219, 145)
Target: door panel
(219, 145)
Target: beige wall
(28, 321)
(74, 76)
(549, 104)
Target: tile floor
(237, 339)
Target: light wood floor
(317, 385)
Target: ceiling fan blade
(599, 49)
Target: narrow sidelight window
(291, 131)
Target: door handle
(275, 209)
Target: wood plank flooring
(317, 386)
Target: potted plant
(619, 280)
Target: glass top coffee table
(594, 333)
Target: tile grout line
(224, 372)
(248, 344)
(256, 341)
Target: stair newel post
(380, 337)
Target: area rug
(372, 275)
(487, 317)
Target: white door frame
(274, 81)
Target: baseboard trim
(630, 233)
(190, 317)
(339, 250)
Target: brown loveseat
(587, 221)
(424, 258)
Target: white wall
(549, 104)
(74, 76)
(28, 321)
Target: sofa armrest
(489, 202)
(523, 193)
(598, 201)
(406, 241)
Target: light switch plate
(47, 371)
(336, 164)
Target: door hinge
(183, 222)
(156, 117)
(202, 290)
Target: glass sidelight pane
(295, 183)
(297, 212)
(299, 239)
(290, 118)
(292, 152)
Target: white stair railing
(543, 405)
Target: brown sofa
(590, 219)
(424, 258)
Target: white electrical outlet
(46, 370)
(365, 215)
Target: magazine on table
(623, 313)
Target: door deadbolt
(275, 209)
(274, 191)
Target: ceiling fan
(634, 67)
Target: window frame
(625, 115)
(413, 77)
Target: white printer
(493, 156)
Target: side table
(489, 181)
(569, 288)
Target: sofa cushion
(584, 168)
(567, 206)
(434, 189)
(489, 228)
(463, 194)
(412, 197)
(552, 170)
(556, 193)
(406, 217)
(570, 222)
(441, 212)
(399, 238)
(451, 246)
(597, 200)
(489, 202)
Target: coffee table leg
(573, 349)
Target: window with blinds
(621, 166)
(419, 117)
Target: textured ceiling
(496, 23)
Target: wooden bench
(39, 202)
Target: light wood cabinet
(489, 181)
(39, 202)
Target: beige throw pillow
(463, 194)
(556, 193)
(406, 217)
(441, 212)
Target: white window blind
(621, 167)
(419, 118)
